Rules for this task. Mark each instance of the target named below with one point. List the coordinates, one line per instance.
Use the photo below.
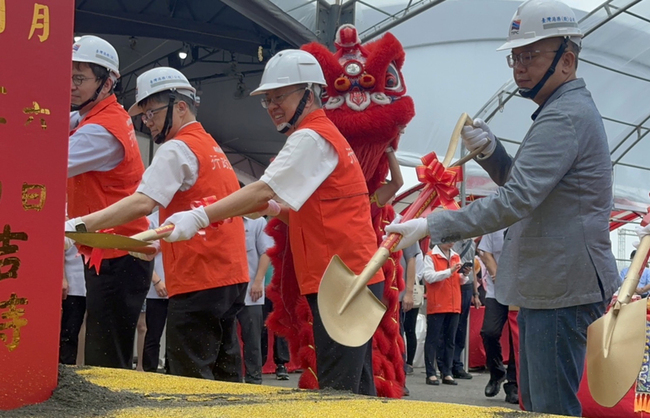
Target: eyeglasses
(524, 58)
(78, 80)
(277, 99)
(148, 115)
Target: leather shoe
(406, 391)
(493, 387)
(435, 382)
(448, 380)
(512, 393)
(462, 374)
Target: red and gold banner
(36, 42)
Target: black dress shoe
(462, 374)
(512, 393)
(435, 382)
(406, 392)
(493, 387)
(447, 380)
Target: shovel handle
(154, 234)
(425, 199)
(634, 272)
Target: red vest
(336, 217)
(444, 296)
(94, 190)
(217, 258)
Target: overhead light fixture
(76, 38)
(182, 55)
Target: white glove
(147, 257)
(641, 231)
(272, 210)
(412, 231)
(187, 224)
(69, 226)
(476, 136)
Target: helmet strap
(531, 93)
(74, 108)
(284, 127)
(160, 138)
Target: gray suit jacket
(556, 197)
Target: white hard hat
(160, 79)
(95, 50)
(290, 67)
(540, 19)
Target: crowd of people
(209, 275)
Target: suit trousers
(340, 367)
(156, 317)
(466, 292)
(496, 316)
(114, 299)
(72, 317)
(408, 321)
(280, 346)
(441, 334)
(202, 333)
(250, 320)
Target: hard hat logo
(514, 28)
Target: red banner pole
(36, 42)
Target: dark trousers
(340, 367)
(73, 310)
(496, 316)
(250, 320)
(280, 346)
(202, 333)
(552, 349)
(156, 317)
(407, 328)
(441, 334)
(466, 292)
(114, 300)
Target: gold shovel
(615, 353)
(348, 309)
(104, 240)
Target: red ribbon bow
(206, 201)
(443, 180)
(93, 256)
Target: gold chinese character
(33, 196)
(40, 20)
(36, 110)
(2, 15)
(6, 248)
(13, 322)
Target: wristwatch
(79, 225)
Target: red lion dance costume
(365, 98)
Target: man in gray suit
(555, 196)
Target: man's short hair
(573, 47)
(100, 73)
(632, 254)
(163, 97)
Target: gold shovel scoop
(616, 341)
(104, 240)
(348, 309)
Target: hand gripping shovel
(348, 309)
(616, 342)
(114, 241)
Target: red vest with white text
(94, 190)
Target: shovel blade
(357, 323)
(611, 376)
(105, 241)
